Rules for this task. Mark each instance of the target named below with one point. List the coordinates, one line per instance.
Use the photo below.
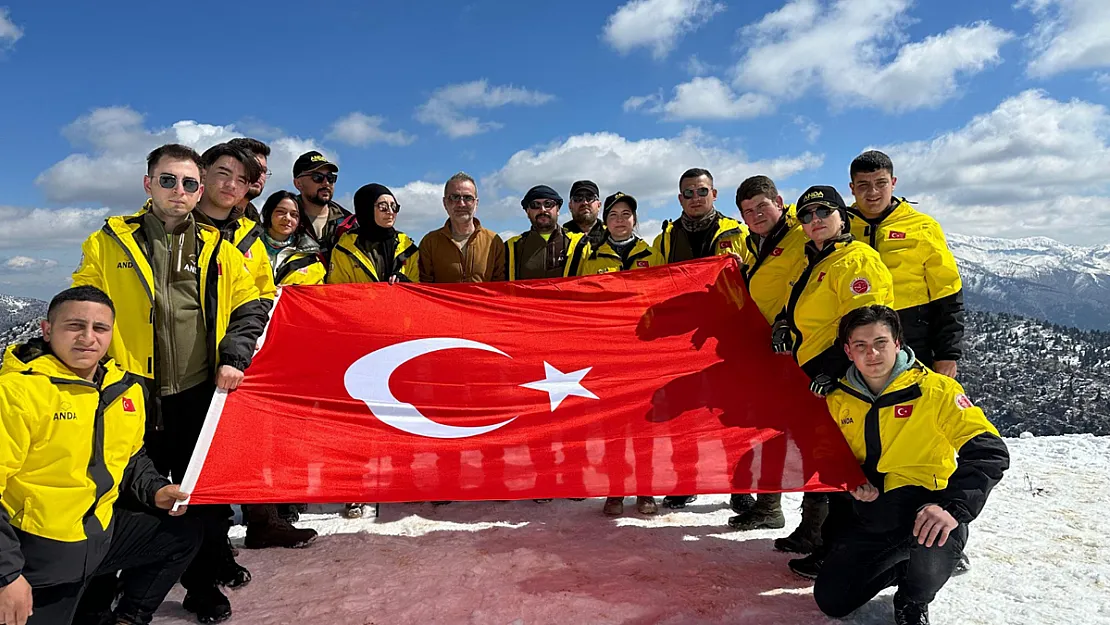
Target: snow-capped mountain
(1036, 277)
(19, 310)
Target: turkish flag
(649, 382)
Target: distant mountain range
(19, 310)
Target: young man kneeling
(72, 510)
(907, 526)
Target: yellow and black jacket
(843, 276)
(575, 249)
(605, 259)
(246, 236)
(726, 237)
(349, 264)
(57, 489)
(770, 264)
(907, 440)
(114, 261)
(928, 292)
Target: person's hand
(946, 367)
(16, 603)
(933, 523)
(866, 493)
(781, 341)
(169, 495)
(822, 385)
(393, 279)
(228, 378)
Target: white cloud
(846, 51)
(9, 32)
(697, 67)
(1032, 166)
(115, 142)
(657, 24)
(710, 98)
(361, 130)
(652, 103)
(1069, 35)
(62, 227)
(1102, 79)
(444, 109)
(809, 128)
(26, 264)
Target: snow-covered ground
(1040, 554)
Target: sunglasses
(454, 198)
(319, 177)
(386, 207)
(537, 205)
(689, 193)
(169, 181)
(583, 199)
(806, 216)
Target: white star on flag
(561, 385)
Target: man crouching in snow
(907, 527)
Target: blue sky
(993, 112)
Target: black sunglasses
(806, 216)
(319, 177)
(169, 181)
(386, 207)
(689, 193)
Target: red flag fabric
(649, 382)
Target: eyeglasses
(806, 216)
(169, 181)
(319, 177)
(455, 198)
(689, 193)
(538, 205)
(387, 207)
(583, 199)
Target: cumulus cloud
(657, 25)
(1032, 166)
(710, 98)
(26, 264)
(62, 227)
(114, 142)
(359, 129)
(788, 55)
(444, 109)
(1069, 35)
(9, 31)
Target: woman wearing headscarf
(376, 251)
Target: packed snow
(1040, 554)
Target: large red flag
(649, 382)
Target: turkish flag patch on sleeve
(903, 412)
(894, 234)
(776, 252)
(128, 405)
(641, 263)
(726, 245)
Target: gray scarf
(698, 224)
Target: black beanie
(541, 192)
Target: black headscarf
(369, 232)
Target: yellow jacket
(51, 477)
(577, 247)
(910, 436)
(726, 239)
(928, 292)
(768, 269)
(301, 268)
(349, 264)
(113, 261)
(247, 238)
(605, 259)
(843, 276)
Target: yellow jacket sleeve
(942, 276)
(958, 419)
(341, 268)
(864, 282)
(15, 436)
(411, 270)
(259, 266)
(89, 270)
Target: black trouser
(151, 549)
(170, 449)
(861, 564)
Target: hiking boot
(678, 502)
(765, 514)
(352, 511)
(614, 506)
(230, 574)
(809, 566)
(646, 505)
(208, 604)
(291, 512)
(962, 566)
(741, 503)
(910, 612)
(807, 537)
(266, 529)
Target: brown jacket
(441, 261)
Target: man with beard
(322, 218)
(546, 250)
(462, 250)
(261, 153)
(700, 232)
(585, 204)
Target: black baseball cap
(311, 161)
(618, 197)
(584, 185)
(822, 195)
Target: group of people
(167, 305)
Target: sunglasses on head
(320, 177)
(689, 193)
(169, 181)
(822, 212)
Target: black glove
(822, 385)
(781, 341)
